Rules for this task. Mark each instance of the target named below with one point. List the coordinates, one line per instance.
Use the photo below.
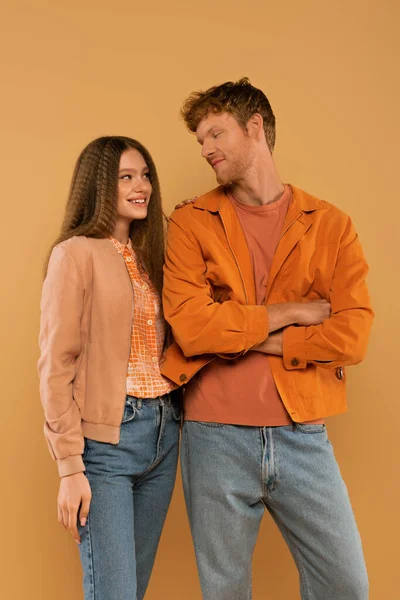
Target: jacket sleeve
(200, 325)
(342, 339)
(60, 346)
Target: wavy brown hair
(92, 202)
(241, 99)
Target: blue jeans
(132, 484)
(231, 474)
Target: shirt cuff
(257, 326)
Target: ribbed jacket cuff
(70, 465)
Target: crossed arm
(291, 313)
(326, 333)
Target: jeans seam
(296, 554)
(91, 568)
(262, 465)
(159, 455)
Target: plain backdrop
(71, 71)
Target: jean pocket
(176, 411)
(317, 428)
(129, 412)
(85, 449)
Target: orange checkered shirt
(144, 379)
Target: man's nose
(207, 150)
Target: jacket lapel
(298, 220)
(293, 231)
(237, 243)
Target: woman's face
(134, 187)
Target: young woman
(112, 422)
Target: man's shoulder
(205, 203)
(322, 209)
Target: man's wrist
(291, 313)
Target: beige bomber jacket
(85, 338)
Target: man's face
(226, 146)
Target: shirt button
(183, 377)
(295, 362)
(154, 359)
(144, 286)
(128, 259)
(149, 322)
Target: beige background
(72, 71)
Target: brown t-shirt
(243, 391)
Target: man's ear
(255, 126)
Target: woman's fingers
(185, 202)
(64, 518)
(84, 510)
(60, 517)
(74, 493)
(73, 523)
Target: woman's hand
(74, 495)
(186, 202)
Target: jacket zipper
(236, 260)
(129, 352)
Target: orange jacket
(209, 298)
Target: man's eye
(216, 135)
(147, 175)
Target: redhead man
(265, 291)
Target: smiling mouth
(214, 164)
(138, 202)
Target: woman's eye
(147, 175)
(126, 177)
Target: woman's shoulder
(80, 246)
(76, 247)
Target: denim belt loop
(139, 403)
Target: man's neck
(260, 186)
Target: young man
(265, 291)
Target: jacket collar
(298, 220)
(302, 202)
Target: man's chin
(222, 179)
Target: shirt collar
(121, 247)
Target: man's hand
(291, 313)
(312, 313)
(74, 495)
(272, 345)
(297, 313)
